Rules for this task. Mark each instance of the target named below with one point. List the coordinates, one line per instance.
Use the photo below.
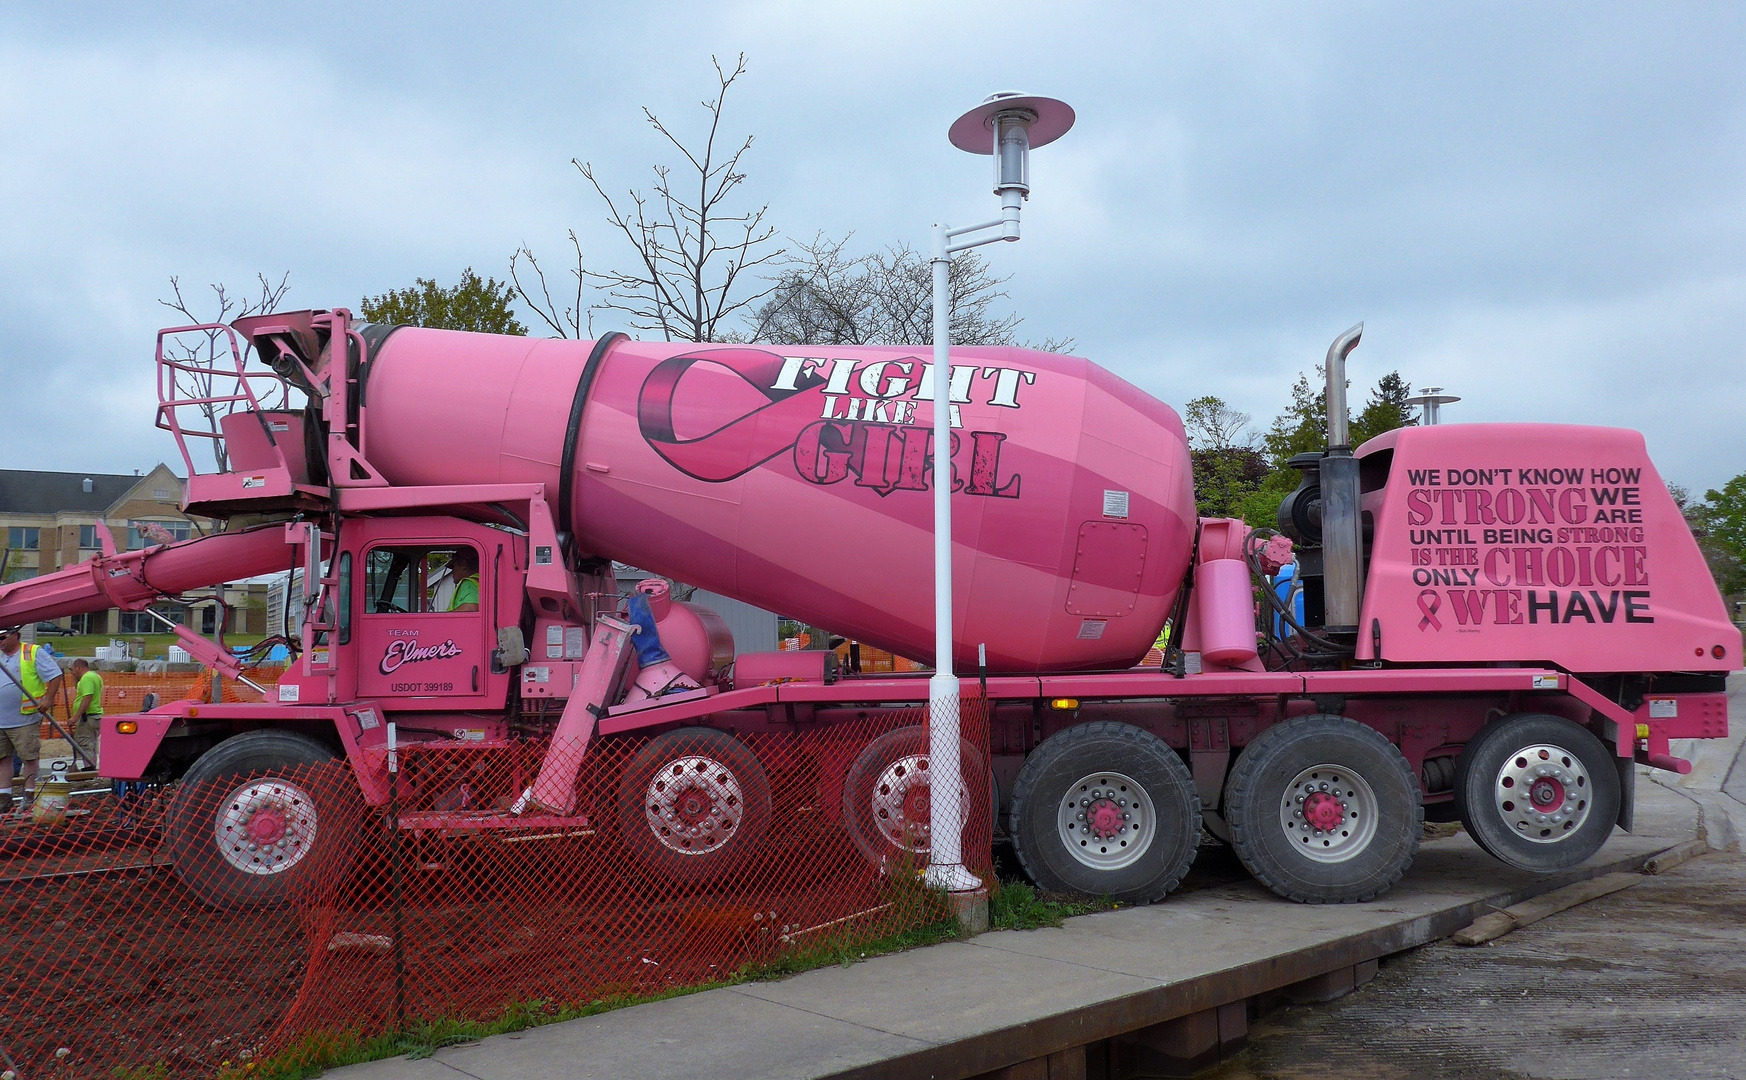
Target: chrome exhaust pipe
(1342, 525)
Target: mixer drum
(797, 478)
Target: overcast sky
(1541, 207)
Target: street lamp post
(1005, 126)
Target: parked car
(49, 629)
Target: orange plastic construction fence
(260, 907)
(125, 691)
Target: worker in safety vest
(464, 567)
(27, 672)
(87, 716)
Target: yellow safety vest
(33, 683)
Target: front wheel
(1105, 809)
(694, 804)
(261, 815)
(1324, 810)
(1538, 792)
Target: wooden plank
(1496, 925)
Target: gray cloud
(1541, 208)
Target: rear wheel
(694, 804)
(888, 796)
(1105, 809)
(1538, 792)
(261, 815)
(1324, 810)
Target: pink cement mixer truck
(1496, 622)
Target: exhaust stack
(1342, 530)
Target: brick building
(49, 520)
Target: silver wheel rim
(265, 827)
(901, 803)
(1107, 820)
(693, 805)
(1543, 793)
(1328, 813)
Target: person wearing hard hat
(28, 675)
(87, 715)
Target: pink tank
(797, 478)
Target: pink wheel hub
(1324, 811)
(1103, 818)
(1547, 794)
(918, 803)
(266, 826)
(694, 807)
(1543, 793)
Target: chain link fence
(261, 912)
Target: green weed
(1017, 906)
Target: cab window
(421, 580)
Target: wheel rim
(693, 805)
(1543, 793)
(1107, 820)
(1329, 813)
(902, 804)
(265, 827)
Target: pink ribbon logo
(739, 444)
(1429, 601)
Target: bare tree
(690, 248)
(200, 351)
(1214, 425)
(573, 318)
(825, 296)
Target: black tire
(1100, 768)
(694, 804)
(261, 816)
(1347, 768)
(879, 813)
(1580, 776)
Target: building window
(22, 537)
(88, 537)
(138, 622)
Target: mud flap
(1627, 791)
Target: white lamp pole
(1005, 126)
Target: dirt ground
(110, 957)
(1648, 982)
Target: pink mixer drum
(798, 478)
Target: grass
(1017, 906)
(157, 646)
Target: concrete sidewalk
(1009, 998)
(1717, 781)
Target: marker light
(1064, 704)
(126, 727)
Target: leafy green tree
(483, 306)
(1302, 428)
(1227, 468)
(1719, 524)
(1386, 410)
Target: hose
(1319, 647)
